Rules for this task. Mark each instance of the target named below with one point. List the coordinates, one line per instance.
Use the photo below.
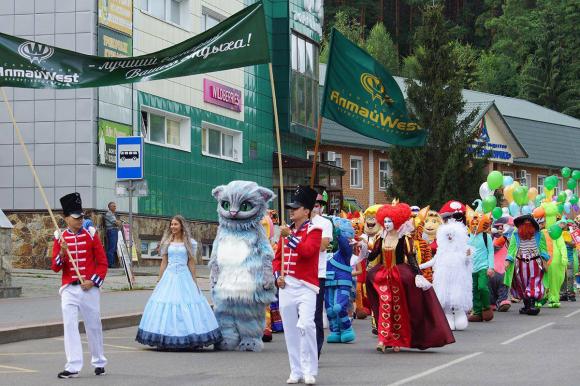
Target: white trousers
(74, 299)
(297, 307)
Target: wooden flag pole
(318, 131)
(37, 180)
(280, 173)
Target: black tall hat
(304, 196)
(72, 205)
(520, 220)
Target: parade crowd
(416, 274)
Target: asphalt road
(512, 349)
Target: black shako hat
(520, 220)
(72, 205)
(304, 196)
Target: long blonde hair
(188, 241)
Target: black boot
(533, 309)
(526, 308)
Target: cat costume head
(242, 204)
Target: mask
(388, 224)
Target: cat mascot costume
(241, 265)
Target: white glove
(421, 282)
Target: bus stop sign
(129, 158)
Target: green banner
(240, 40)
(360, 94)
(107, 144)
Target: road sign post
(129, 168)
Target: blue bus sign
(129, 158)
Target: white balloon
(484, 190)
(505, 210)
(569, 194)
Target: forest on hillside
(522, 48)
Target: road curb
(51, 330)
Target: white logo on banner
(35, 52)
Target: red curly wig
(399, 213)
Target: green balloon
(550, 182)
(494, 180)
(566, 172)
(561, 208)
(576, 175)
(521, 195)
(572, 184)
(574, 199)
(489, 203)
(496, 213)
(555, 231)
(562, 196)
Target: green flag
(360, 94)
(240, 40)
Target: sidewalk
(37, 313)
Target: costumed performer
(502, 232)
(407, 316)
(297, 258)
(177, 315)
(558, 257)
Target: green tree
(382, 48)
(410, 67)
(467, 58)
(497, 74)
(349, 26)
(443, 169)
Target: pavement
(512, 349)
(37, 314)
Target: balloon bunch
(567, 200)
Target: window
(338, 160)
(384, 173)
(304, 85)
(166, 129)
(541, 184)
(172, 11)
(221, 142)
(209, 19)
(150, 249)
(558, 188)
(356, 170)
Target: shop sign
(113, 44)
(312, 15)
(222, 95)
(117, 15)
(485, 146)
(107, 134)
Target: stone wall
(32, 236)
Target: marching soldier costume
(299, 287)
(80, 294)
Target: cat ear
(266, 194)
(217, 191)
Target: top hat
(520, 220)
(72, 205)
(304, 196)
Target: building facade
(200, 131)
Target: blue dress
(177, 314)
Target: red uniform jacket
(87, 251)
(301, 251)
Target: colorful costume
(241, 265)
(361, 251)
(371, 232)
(558, 258)
(407, 316)
(432, 222)
(483, 261)
(498, 292)
(298, 297)
(568, 288)
(87, 251)
(338, 286)
(525, 272)
(422, 250)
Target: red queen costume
(407, 316)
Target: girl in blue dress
(177, 315)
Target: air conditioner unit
(523, 173)
(329, 156)
(522, 177)
(310, 155)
